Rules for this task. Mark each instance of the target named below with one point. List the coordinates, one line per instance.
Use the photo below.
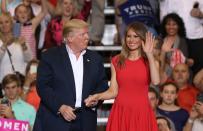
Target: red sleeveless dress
(131, 110)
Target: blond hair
(59, 10)
(72, 24)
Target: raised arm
(51, 9)
(148, 49)
(3, 6)
(36, 20)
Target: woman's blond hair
(59, 10)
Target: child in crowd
(28, 26)
(169, 108)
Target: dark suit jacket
(56, 86)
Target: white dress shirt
(77, 66)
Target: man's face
(11, 91)
(181, 74)
(78, 39)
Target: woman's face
(133, 41)
(171, 27)
(22, 14)
(5, 24)
(67, 8)
(169, 94)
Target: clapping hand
(91, 101)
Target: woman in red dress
(131, 73)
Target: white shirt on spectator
(197, 125)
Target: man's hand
(6, 111)
(67, 113)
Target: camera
(5, 101)
(199, 97)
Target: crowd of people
(50, 79)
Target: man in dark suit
(66, 76)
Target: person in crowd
(195, 121)
(163, 124)
(36, 7)
(28, 26)
(154, 101)
(65, 11)
(149, 16)
(169, 108)
(97, 22)
(14, 51)
(16, 108)
(186, 92)
(29, 92)
(131, 73)
(191, 12)
(174, 49)
(66, 76)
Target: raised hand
(149, 43)
(167, 45)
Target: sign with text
(137, 10)
(13, 125)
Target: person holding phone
(195, 121)
(17, 108)
(131, 74)
(29, 92)
(6, 109)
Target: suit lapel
(86, 62)
(68, 70)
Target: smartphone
(16, 29)
(33, 69)
(196, 5)
(5, 101)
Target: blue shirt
(24, 111)
(179, 117)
